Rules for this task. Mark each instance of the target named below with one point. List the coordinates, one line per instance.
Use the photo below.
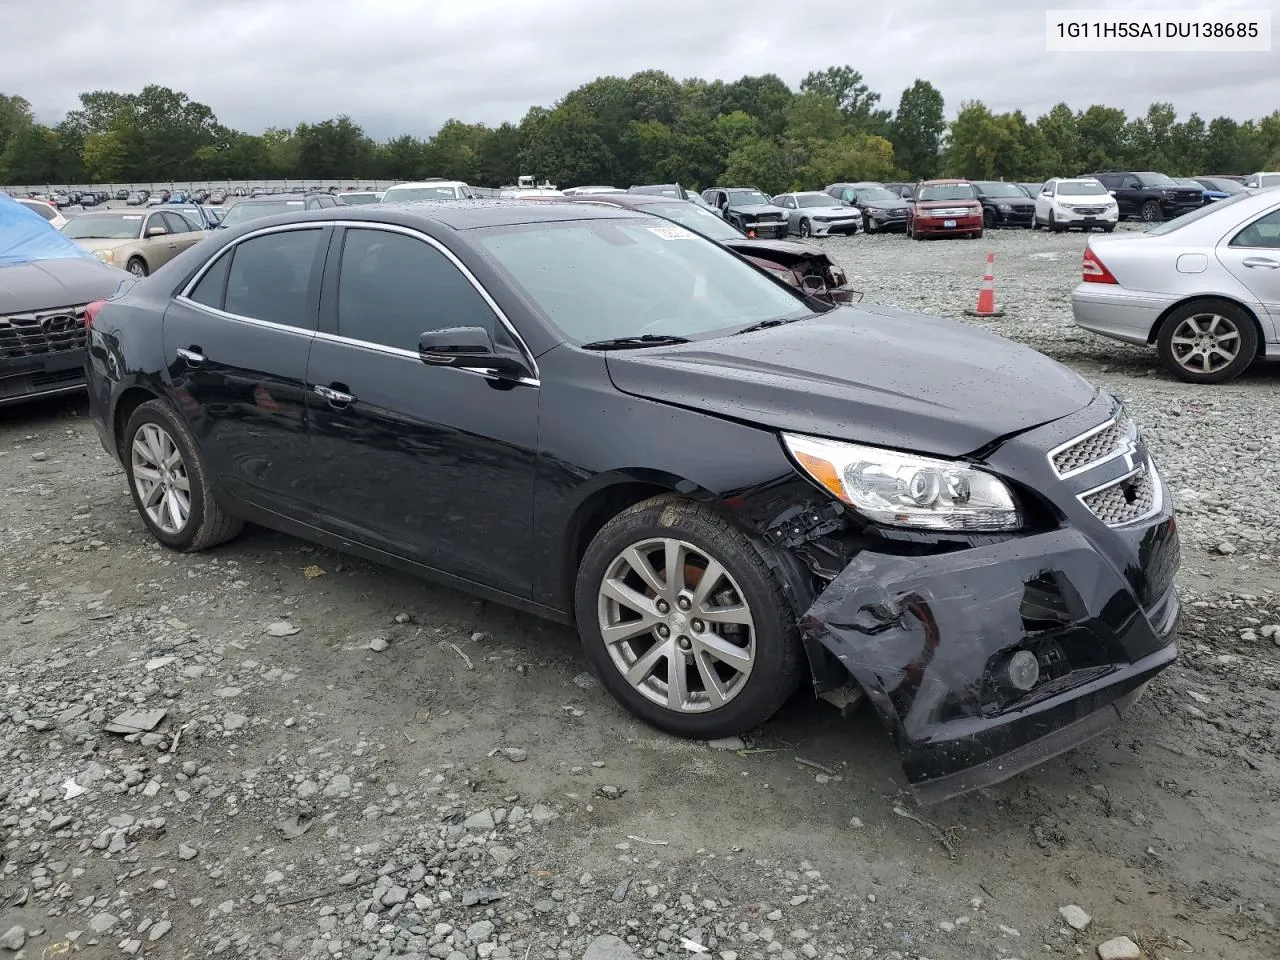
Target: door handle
(1263, 262)
(336, 398)
(193, 355)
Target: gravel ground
(271, 750)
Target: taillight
(91, 312)
(1094, 270)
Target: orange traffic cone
(987, 295)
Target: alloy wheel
(676, 625)
(1150, 211)
(160, 477)
(1205, 342)
(805, 229)
(137, 269)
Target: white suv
(428, 190)
(1259, 181)
(1076, 202)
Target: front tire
(693, 656)
(868, 224)
(1151, 212)
(170, 483)
(989, 219)
(1054, 226)
(1209, 341)
(806, 230)
(137, 266)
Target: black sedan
(731, 489)
(1004, 204)
(803, 265)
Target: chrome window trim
(185, 298)
(1157, 494)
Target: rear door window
(270, 278)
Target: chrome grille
(1089, 210)
(41, 333)
(1132, 498)
(1097, 445)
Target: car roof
(419, 184)
(455, 214)
(624, 199)
(925, 183)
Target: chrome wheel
(676, 625)
(160, 477)
(137, 268)
(1205, 342)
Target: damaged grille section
(1131, 498)
(1094, 447)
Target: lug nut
(683, 603)
(663, 606)
(664, 631)
(697, 626)
(683, 643)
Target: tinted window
(43, 209)
(211, 286)
(393, 287)
(1263, 232)
(270, 275)
(177, 223)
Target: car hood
(895, 204)
(789, 250)
(871, 375)
(101, 243)
(835, 210)
(56, 283)
(946, 204)
(1013, 201)
(759, 209)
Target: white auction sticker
(673, 233)
(1157, 31)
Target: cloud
(402, 66)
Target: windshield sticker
(131, 216)
(673, 233)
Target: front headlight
(106, 256)
(906, 490)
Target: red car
(945, 207)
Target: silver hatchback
(1204, 288)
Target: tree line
(647, 128)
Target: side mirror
(1112, 192)
(156, 231)
(470, 348)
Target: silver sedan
(817, 214)
(1203, 288)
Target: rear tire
(730, 674)
(1151, 212)
(156, 435)
(1210, 324)
(806, 230)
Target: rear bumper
(1112, 311)
(926, 638)
(47, 375)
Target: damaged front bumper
(930, 638)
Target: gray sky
(405, 66)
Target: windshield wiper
(766, 324)
(631, 343)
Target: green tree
(404, 158)
(814, 116)
(978, 143)
(498, 159)
(857, 101)
(333, 149)
(757, 162)
(1102, 138)
(1061, 138)
(563, 145)
(15, 115)
(918, 129)
(854, 156)
(32, 155)
(764, 98)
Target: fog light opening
(1023, 670)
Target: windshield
(602, 279)
(1150, 179)
(47, 211)
(244, 212)
(868, 194)
(360, 197)
(122, 226)
(1199, 214)
(946, 191)
(1222, 186)
(1081, 188)
(814, 200)
(996, 190)
(695, 218)
(747, 198)
(410, 194)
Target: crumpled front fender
(925, 637)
